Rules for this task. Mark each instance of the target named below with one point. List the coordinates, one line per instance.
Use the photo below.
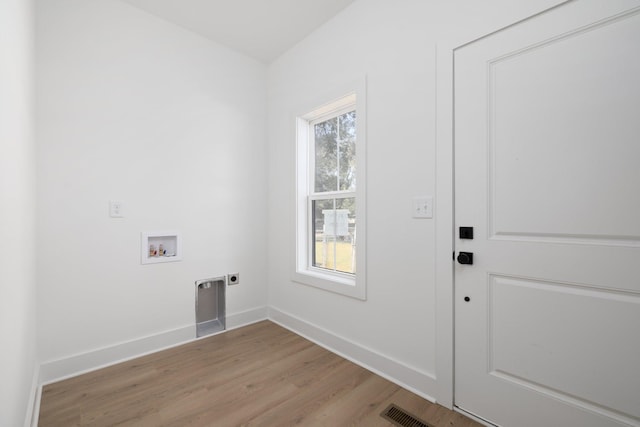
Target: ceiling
(262, 29)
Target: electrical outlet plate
(233, 278)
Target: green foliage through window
(335, 153)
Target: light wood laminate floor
(258, 375)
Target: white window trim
(340, 283)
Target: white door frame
(444, 223)
(444, 213)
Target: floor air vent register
(402, 418)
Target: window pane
(319, 237)
(326, 158)
(347, 151)
(335, 154)
(334, 234)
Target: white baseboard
(247, 317)
(33, 405)
(71, 366)
(77, 364)
(421, 383)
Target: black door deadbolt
(466, 232)
(465, 258)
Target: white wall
(132, 108)
(393, 43)
(17, 196)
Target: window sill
(346, 286)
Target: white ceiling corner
(261, 29)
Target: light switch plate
(115, 209)
(423, 207)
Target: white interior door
(547, 171)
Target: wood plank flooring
(258, 375)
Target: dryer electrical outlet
(233, 279)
